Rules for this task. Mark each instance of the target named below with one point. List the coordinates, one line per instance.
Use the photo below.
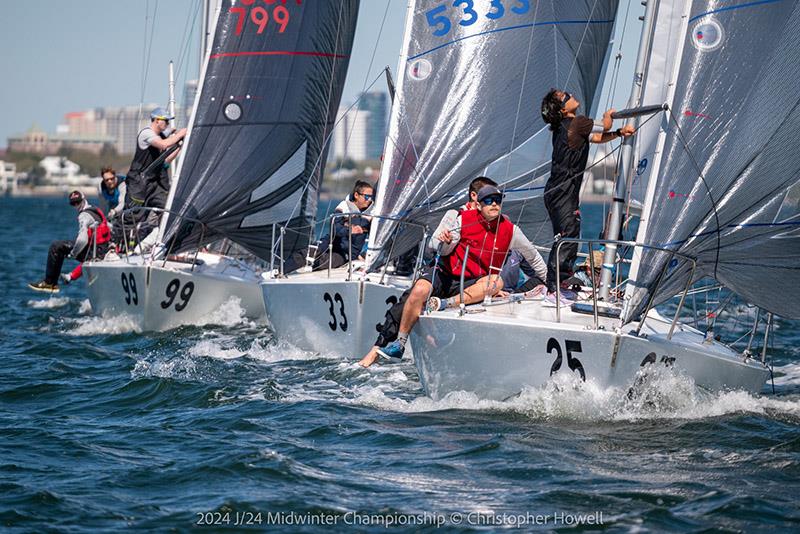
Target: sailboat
(255, 148)
(720, 201)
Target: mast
(209, 25)
(662, 137)
(171, 105)
(388, 146)
(626, 154)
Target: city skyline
(88, 55)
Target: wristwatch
(618, 132)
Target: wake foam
(49, 304)
(658, 394)
(230, 313)
(273, 352)
(95, 325)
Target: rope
(148, 48)
(705, 184)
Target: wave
(659, 394)
(94, 325)
(49, 304)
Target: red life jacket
(103, 231)
(481, 236)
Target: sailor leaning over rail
(91, 242)
(476, 242)
(571, 137)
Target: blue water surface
(103, 428)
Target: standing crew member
(151, 190)
(93, 235)
(571, 137)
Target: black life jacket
(137, 184)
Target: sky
(61, 56)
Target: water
(103, 428)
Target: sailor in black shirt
(571, 137)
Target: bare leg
(488, 285)
(411, 310)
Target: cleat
(44, 287)
(392, 351)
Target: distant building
(123, 124)
(38, 142)
(34, 140)
(60, 171)
(376, 103)
(9, 178)
(350, 135)
(189, 94)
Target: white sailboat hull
(160, 297)
(330, 315)
(498, 352)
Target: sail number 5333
(438, 16)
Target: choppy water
(103, 428)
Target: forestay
(470, 83)
(256, 146)
(727, 191)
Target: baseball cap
(75, 198)
(160, 113)
(487, 191)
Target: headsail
(470, 82)
(256, 146)
(727, 191)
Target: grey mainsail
(726, 192)
(470, 82)
(256, 147)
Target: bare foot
(370, 358)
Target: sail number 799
(259, 16)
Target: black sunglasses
(494, 199)
(565, 99)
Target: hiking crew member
(151, 190)
(91, 241)
(489, 236)
(571, 137)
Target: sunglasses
(565, 99)
(367, 197)
(494, 199)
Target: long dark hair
(551, 109)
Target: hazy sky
(62, 56)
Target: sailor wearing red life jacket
(489, 237)
(92, 241)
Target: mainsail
(470, 82)
(256, 146)
(726, 193)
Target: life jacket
(139, 185)
(102, 229)
(488, 245)
(111, 197)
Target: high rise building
(376, 103)
(350, 135)
(189, 94)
